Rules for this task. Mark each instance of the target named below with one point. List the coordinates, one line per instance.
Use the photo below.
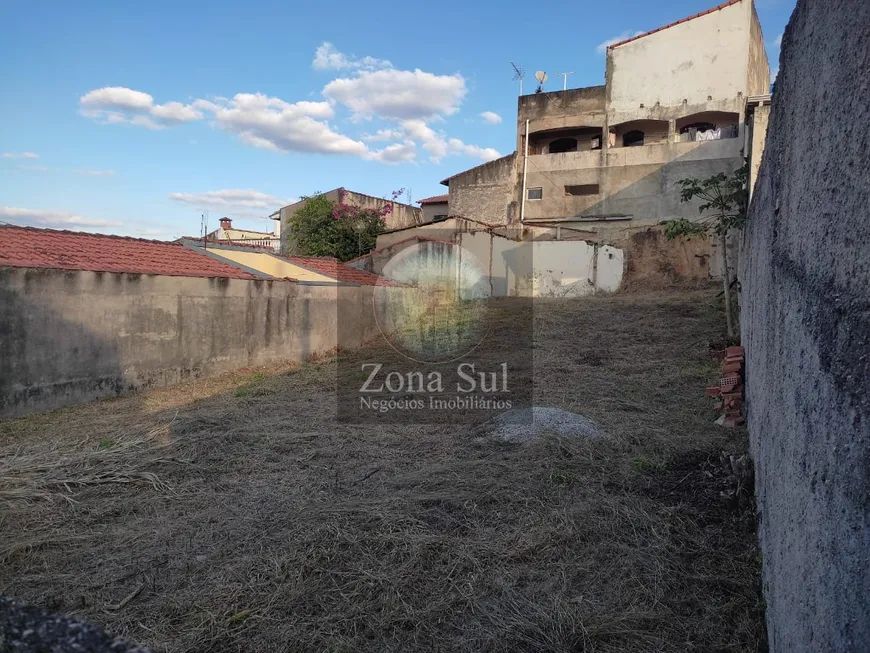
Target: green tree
(724, 200)
(325, 228)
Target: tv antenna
(565, 79)
(519, 73)
(541, 76)
(203, 228)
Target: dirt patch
(254, 521)
(654, 261)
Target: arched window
(632, 138)
(563, 145)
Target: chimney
(226, 223)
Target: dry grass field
(236, 514)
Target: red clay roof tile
(435, 199)
(29, 247)
(332, 268)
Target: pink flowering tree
(340, 229)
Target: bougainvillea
(341, 229)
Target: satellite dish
(541, 76)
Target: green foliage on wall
(325, 228)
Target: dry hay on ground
(255, 522)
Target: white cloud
(439, 146)
(407, 99)
(602, 47)
(326, 57)
(95, 173)
(175, 112)
(118, 105)
(20, 155)
(383, 135)
(33, 168)
(232, 199)
(433, 142)
(396, 153)
(119, 97)
(51, 219)
(491, 117)
(486, 153)
(273, 124)
(398, 94)
(778, 41)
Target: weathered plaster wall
(758, 82)
(640, 182)
(433, 211)
(487, 192)
(438, 231)
(402, 215)
(69, 337)
(758, 132)
(576, 107)
(545, 268)
(693, 60)
(806, 327)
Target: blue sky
(135, 118)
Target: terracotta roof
(437, 199)
(332, 268)
(659, 29)
(29, 247)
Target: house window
(563, 145)
(632, 138)
(535, 193)
(584, 189)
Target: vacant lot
(236, 514)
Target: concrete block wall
(72, 336)
(806, 329)
(486, 192)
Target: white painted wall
(553, 268)
(701, 57)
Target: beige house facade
(608, 158)
(226, 232)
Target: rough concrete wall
(487, 192)
(560, 103)
(578, 107)
(806, 328)
(692, 60)
(69, 337)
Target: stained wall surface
(806, 326)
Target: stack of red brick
(730, 389)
